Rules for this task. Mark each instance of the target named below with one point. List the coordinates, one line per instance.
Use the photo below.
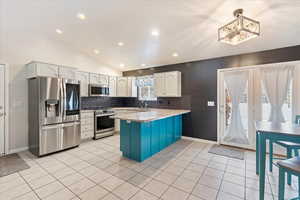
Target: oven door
(103, 123)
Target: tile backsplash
(95, 103)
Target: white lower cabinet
(87, 124)
(117, 125)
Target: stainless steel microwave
(98, 90)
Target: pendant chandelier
(239, 30)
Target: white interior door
(235, 116)
(2, 110)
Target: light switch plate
(210, 103)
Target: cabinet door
(159, 84)
(83, 77)
(112, 86)
(122, 87)
(67, 72)
(131, 87)
(173, 82)
(104, 79)
(48, 70)
(94, 78)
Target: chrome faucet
(143, 104)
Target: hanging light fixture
(239, 30)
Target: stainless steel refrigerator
(54, 114)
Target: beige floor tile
(80, 165)
(111, 197)
(111, 183)
(192, 175)
(15, 192)
(210, 181)
(99, 177)
(213, 172)
(205, 192)
(71, 179)
(155, 187)
(192, 197)
(125, 191)
(143, 195)
(166, 177)
(94, 193)
(174, 194)
(81, 186)
(39, 182)
(11, 184)
(184, 184)
(139, 180)
(63, 172)
(64, 194)
(51, 188)
(226, 196)
(126, 174)
(27, 196)
(233, 189)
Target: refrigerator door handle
(61, 99)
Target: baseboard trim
(17, 150)
(199, 140)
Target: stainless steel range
(54, 122)
(104, 125)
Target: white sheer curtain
(276, 81)
(236, 84)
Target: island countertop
(150, 115)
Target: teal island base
(141, 140)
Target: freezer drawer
(50, 139)
(70, 134)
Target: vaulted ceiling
(186, 27)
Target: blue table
(277, 132)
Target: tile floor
(96, 170)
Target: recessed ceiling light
(143, 65)
(122, 65)
(120, 44)
(81, 16)
(96, 51)
(175, 54)
(59, 31)
(155, 32)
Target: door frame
(6, 108)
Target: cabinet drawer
(87, 128)
(87, 115)
(85, 121)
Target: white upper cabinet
(83, 77)
(67, 72)
(122, 85)
(104, 79)
(94, 78)
(35, 69)
(99, 79)
(159, 84)
(131, 87)
(167, 84)
(112, 86)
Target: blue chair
(289, 166)
(290, 148)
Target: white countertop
(150, 115)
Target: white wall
(18, 47)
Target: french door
(236, 117)
(2, 110)
(236, 105)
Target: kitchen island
(145, 133)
